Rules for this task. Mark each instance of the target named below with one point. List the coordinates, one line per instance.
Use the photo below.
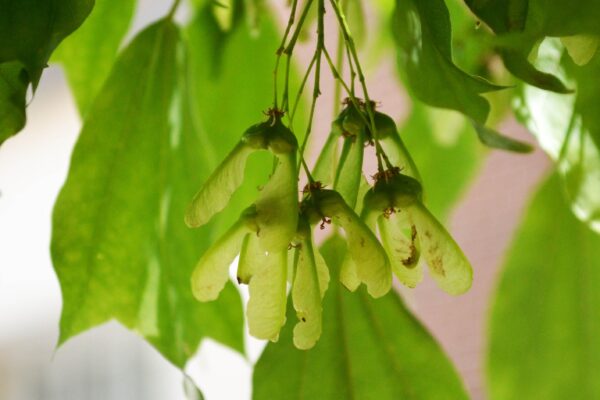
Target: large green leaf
(545, 319)
(568, 127)
(119, 245)
(423, 37)
(525, 22)
(89, 53)
(30, 30)
(13, 88)
(369, 349)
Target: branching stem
(353, 56)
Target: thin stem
(306, 170)
(317, 80)
(339, 13)
(173, 9)
(339, 65)
(281, 48)
(301, 89)
(351, 66)
(285, 102)
(290, 47)
(337, 76)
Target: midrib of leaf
(198, 127)
(585, 315)
(343, 337)
(104, 209)
(387, 347)
(302, 375)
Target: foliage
(178, 111)
(545, 310)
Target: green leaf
(268, 297)
(545, 321)
(88, 55)
(190, 389)
(214, 195)
(355, 14)
(277, 205)
(423, 38)
(581, 48)
(126, 254)
(523, 24)
(369, 349)
(13, 88)
(30, 30)
(568, 127)
(493, 139)
(447, 264)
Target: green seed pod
(401, 242)
(353, 121)
(384, 124)
(447, 263)
(211, 272)
(267, 303)
(393, 190)
(372, 265)
(406, 190)
(256, 136)
(337, 127)
(309, 285)
(277, 205)
(281, 139)
(216, 192)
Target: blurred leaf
(13, 88)
(369, 349)
(190, 389)
(355, 14)
(89, 53)
(524, 23)
(30, 30)
(438, 138)
(126, 254)
(493, 139)
(423, 38)
(545, 321)
(422, 31)
(568, 127)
